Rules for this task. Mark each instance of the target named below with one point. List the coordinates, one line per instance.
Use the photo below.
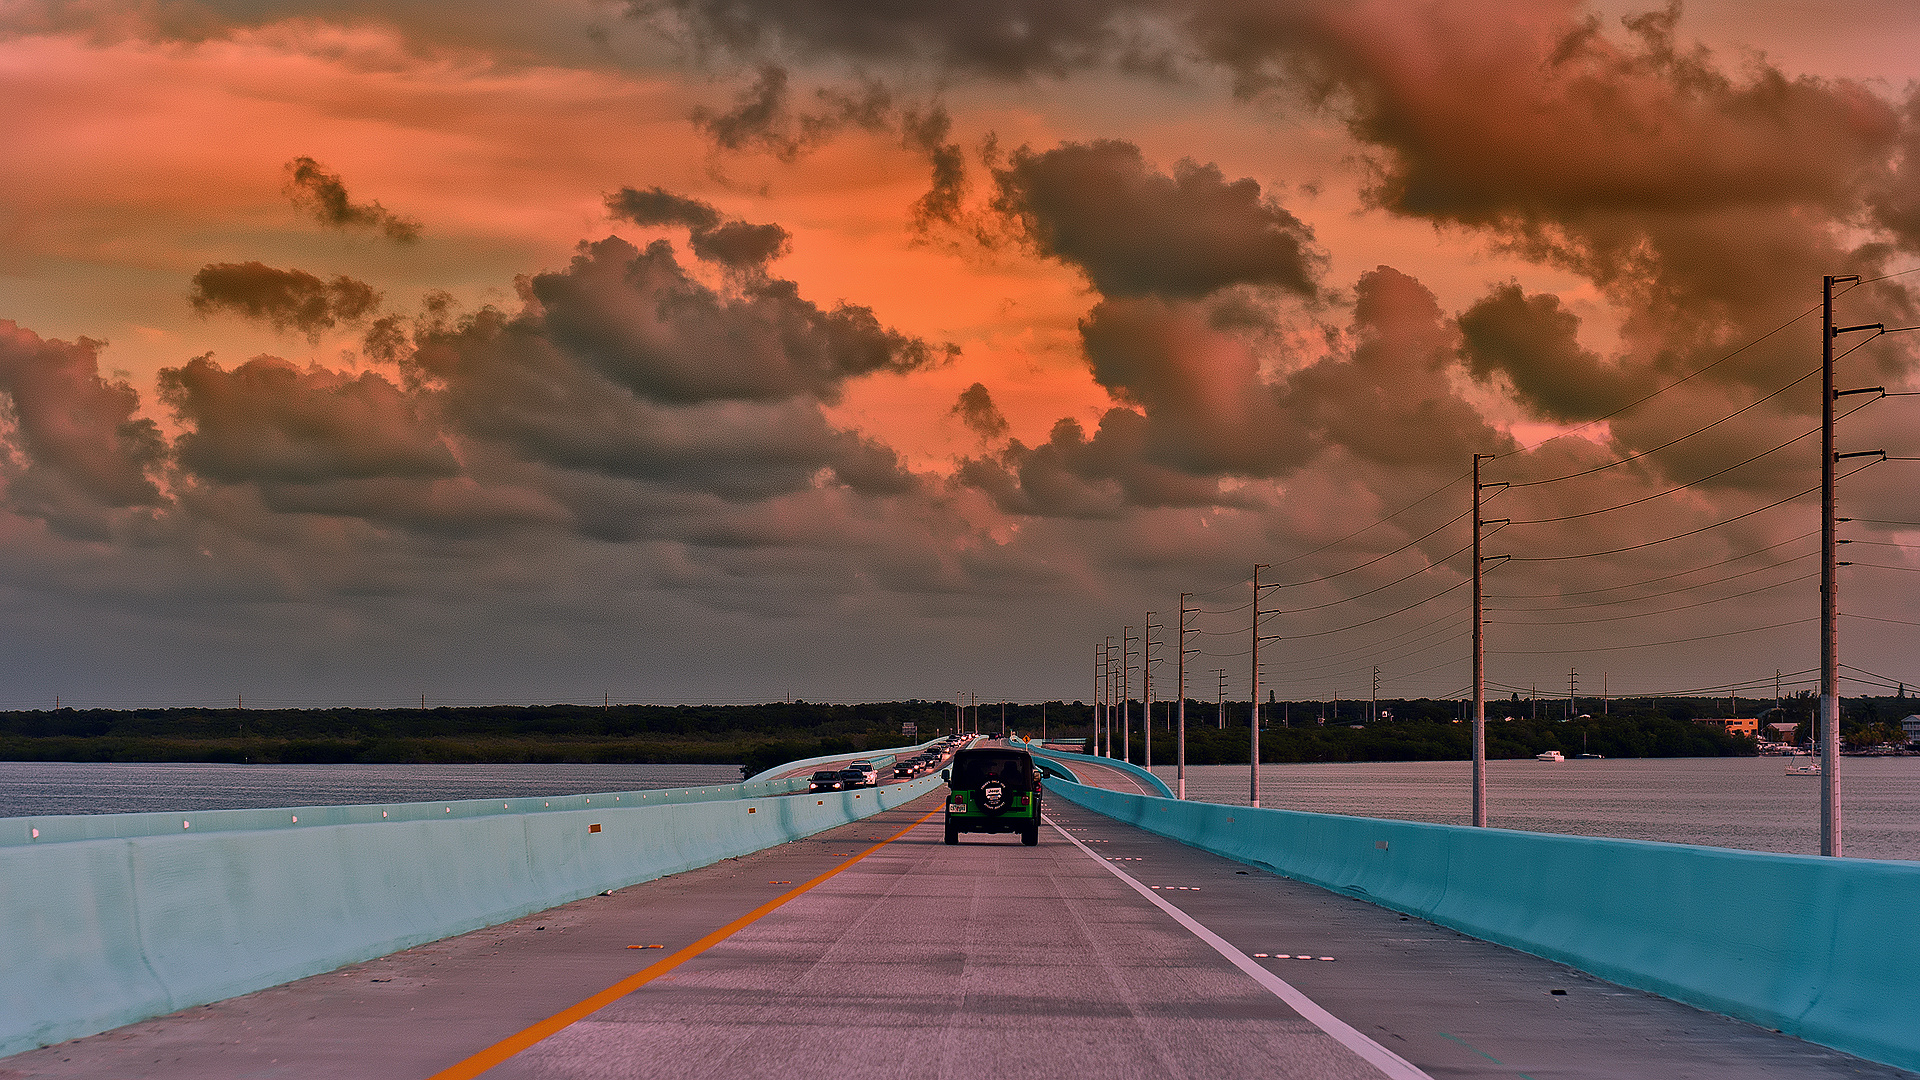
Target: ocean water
(1723, 802)
(33, 788)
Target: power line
(1669, 491)
(1653, 644)
(1661, 611)
(1684, 535)
(1685, 378)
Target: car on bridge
(994, 790)
(860, 774)
(826, 780)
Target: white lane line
(1389, 1063)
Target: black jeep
(994, 789)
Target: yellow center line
(513, 1044)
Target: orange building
(1749, 726)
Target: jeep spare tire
(993, 796)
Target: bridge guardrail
(878, 757)
(103, 924)
(1674, 919)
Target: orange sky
(1279, 254)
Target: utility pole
(1253, 698)
(1603, 694)
(1180, 734)
(1373, 706)
(1126, 692)
(1220, 699)
(1480, 650)
(1098, 665)
(1571, 707)
(1146, 690)
(1830, 834)
(1105, 748)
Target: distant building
(1782, 732)
(1748, 726)
(1911, 725)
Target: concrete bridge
(869, 948)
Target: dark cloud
(82, 447)
(1534, 342)
(928, 132)
(656, 206)
(1013, 39)
(637, 317)
(1138, 232)
(764, 117)
(734, 244)
(976, 409)
(740, 245)
(323, 196)
(284, 299)
(267, 421)
(1896, 203)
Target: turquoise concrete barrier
(106, 922)
(878, 757)
(1811, 946)
(1112, 763)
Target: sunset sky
(732, 350)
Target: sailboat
(1810, 767)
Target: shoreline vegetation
(756, 737)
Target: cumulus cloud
(322, 195)
(268, 421)
(641, 320)
(1138, 232)
(1534, 342)
(82, 448)
(283, 299)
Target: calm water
(30, 788)
(1724, 802)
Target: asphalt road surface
(980, 961)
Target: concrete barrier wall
(1815, 947)
(878, 757)
(103, 923)
(1064, 756)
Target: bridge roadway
(908, 958)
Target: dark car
(860, 774)
(994, 790)
(826, 780)
(906, 770)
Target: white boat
(1811, 768)
(1549, 755)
